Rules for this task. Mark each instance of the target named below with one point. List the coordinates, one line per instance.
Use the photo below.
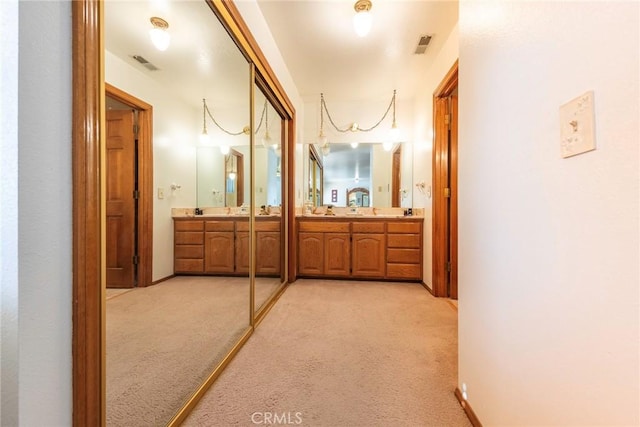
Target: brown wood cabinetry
(218, 247)
(360, 248)
(222, 246)
(310, 253)
(404, 250)
(189, 246)
(324, 249)
(368, 249)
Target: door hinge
(136, 194)
(135, 259)
(449, 266)
(447, 192)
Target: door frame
(145, 181)
(441, 215)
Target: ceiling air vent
(148, 65)
(422, 45)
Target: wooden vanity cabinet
(324, 249)
(360, 248)
(219, 245)
(310, 253)
(222, 246)
(188, 246)
(268, 261)
(404, 250)
(368, 249)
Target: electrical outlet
(160, 193)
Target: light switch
(577, 123)
(160, 193)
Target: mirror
(163, 341)
(367, 174)
(269, 194)
(315, 177)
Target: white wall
(423, 142)
(176, 128)
(549, 247)
(44, 223)
(9, 213)
(254, 19)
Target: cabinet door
(218, 252)
(242, 252)
(310, 253)
(368, 255)
(337, 254)
(268, 253)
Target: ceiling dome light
(160, 37)
(362, 19)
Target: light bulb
(322, 140)
(266, 141)
(160, 37)
(354, 145)
(224, 149)
(204, 138)
(232, 176)
(326, 149)
(362, 23)
(394, 133)
(387, 146)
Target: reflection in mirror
(164, 340)
(315, 177)
(384, 172)
(234, 178)
(269, 191)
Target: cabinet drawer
(189, 238)
(368, 227)
(189, 225)
(189, 265)
(189, 251)
(403, 240)
(404, 271)
(324, 227)
(409, 256)
(403, 227)
(260, 226)
(219, 226)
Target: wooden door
(396, 200)
(368, 255)
(445, 187)
(218, 250)
(310, 253)
(243, 249)
(120, 201)
(268, 253)
(337, 254)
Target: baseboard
(163, 279)
(475, 422)
(427, 287)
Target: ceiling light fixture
(160, 37)
(204, 136)
(394, 133)
(362, 19)
(323, 143)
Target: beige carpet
(164, 340)
(334, 353)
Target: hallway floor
(343, 353)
